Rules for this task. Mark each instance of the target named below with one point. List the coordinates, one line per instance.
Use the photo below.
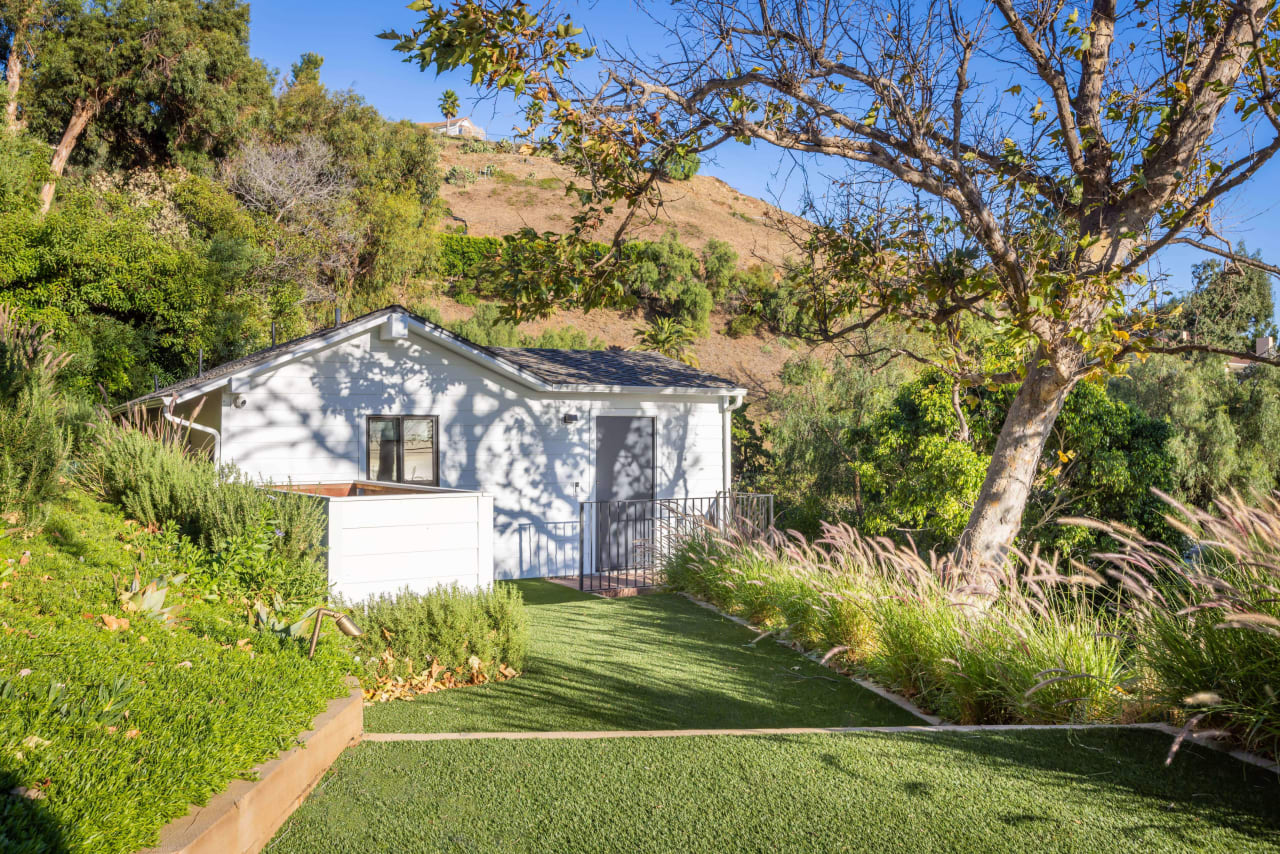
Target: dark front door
(624, 488)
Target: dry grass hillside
(524, 190)
(528, 191)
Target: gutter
(191, 425)
(727, 406)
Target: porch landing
(611, 585)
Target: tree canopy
(130, 82)
(1008, 168)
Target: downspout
(191, 425)
(727, 406)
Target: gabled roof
(538, 368)
(610, 367)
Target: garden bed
(113, 723)
(243, 817)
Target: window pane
(384, 436)
(420, 450)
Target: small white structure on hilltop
(456, 127)
(444, 461)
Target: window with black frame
(403, 449)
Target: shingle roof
(609, 367)
(556, 367)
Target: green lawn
(649, 662)
(1097, 790)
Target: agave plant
(265, 620)
(148, 600)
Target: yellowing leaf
(115, 624)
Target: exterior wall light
(345, 624)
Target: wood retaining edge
(243, 817)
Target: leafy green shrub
(125, 729)
(460, 176)
(461, 255)
(405, 633)
(742, 325)
(669, 276)
(24, 167)
(270, 540)
(471, 145)
(34, 447)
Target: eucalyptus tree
(1006, 170)
(126, 82)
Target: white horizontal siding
(305, 421)
(385, 544)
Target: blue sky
(345, 35)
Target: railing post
(582, 541)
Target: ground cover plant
(117, 711)
(454, 635)
(1054, 791)
(648, 662)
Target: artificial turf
(649, 662)
(1044, 791)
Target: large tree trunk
(13, 80)
(984, 545)
(80, 116)
(23, 22)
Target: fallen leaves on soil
(436, 678)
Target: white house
(390, 397)
(456, 127)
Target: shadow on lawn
(26, 825)
(1085, 769)
(652, 662)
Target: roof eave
(455, 342)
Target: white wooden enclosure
(413, 537)
(300, 413)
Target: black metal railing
(625, 544)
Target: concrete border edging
(939, 724)
(976, 729)
(592, 734)
(242, 818)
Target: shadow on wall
(310, 419)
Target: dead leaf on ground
(35, 742)
(133, 733)
(436, 678)
(115, 624)
(25, 792)
(25, 559)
